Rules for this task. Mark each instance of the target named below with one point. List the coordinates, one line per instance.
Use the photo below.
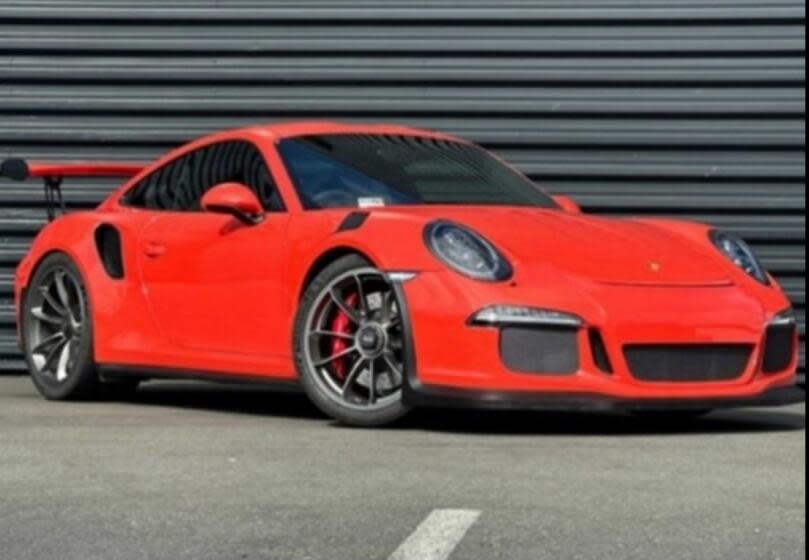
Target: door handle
(154, 250)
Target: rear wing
(53, 174)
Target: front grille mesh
(548, 351)
(688, 363)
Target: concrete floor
(198, 471)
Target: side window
(169, 188)
(180, 185)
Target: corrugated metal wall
(689, 108)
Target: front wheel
(350, 344)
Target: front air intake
(688, 363)
(779, 348)
(540, 350)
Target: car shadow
(274, 402)
(496, 423)
(253, 400)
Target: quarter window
(180, 185)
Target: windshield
(365, 170)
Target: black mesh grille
(688, 363)
(780, 348)
(540, 350)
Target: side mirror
(568, 204)
(234, 199)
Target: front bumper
(454, 361)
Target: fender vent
(108, 244)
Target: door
(213, 283)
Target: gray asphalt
(198, 471)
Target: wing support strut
(54, 199)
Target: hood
(605, 250)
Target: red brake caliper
(341, 324)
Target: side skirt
(112, 372)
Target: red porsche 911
(383, 268)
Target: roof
(307, 128)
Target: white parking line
(437, 536)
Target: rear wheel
(57, 331)
(350, 344)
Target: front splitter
(443, 397)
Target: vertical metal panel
(687, 108)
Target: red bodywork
(204, 292)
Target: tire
(373, 370)
(59, 370)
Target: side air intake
(779, 348)
(108, 244)
(601, 356)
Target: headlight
(467, 252)
(740, 254)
